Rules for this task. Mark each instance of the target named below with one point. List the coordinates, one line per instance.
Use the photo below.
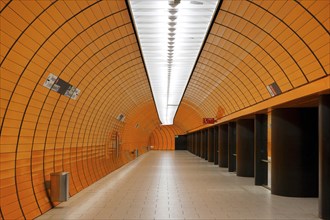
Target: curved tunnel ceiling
(92, 46)
(253, 44)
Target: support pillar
(196, 144)
(203, 145)
(210, 144)
(260, 150)
(206, 143)
(216, 145)
(198, 140)
(192, 139)
(245, 147)
(295, 152)
(324, 157)
(232, 146)
(189, 143)
(201, 133)
(223, 143)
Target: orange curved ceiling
(92, 45)
(253, 44)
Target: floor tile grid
(179, 185)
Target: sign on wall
(274, 89)
(60, 86)
(209, 120)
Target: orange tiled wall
(138, 127)
(189, 116)
(163, 137)
(253, 44)
(93, 46)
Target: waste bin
(59, 186)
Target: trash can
(59, 186)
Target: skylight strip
(171, 33)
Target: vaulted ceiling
(257, 54)
(253, 44)
(93, 46)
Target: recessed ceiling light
(168, 75)
(172, 11)
(174, 2)
(196, 2)
(172, 18)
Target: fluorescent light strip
(171, 33)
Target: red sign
(209, 120)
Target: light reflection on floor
(179, 185)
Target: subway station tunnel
(262, 72)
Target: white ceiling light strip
(171, 33)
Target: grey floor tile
(178, 185)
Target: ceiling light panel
(171, 33)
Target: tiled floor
(179, 185)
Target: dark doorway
(181, 142)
